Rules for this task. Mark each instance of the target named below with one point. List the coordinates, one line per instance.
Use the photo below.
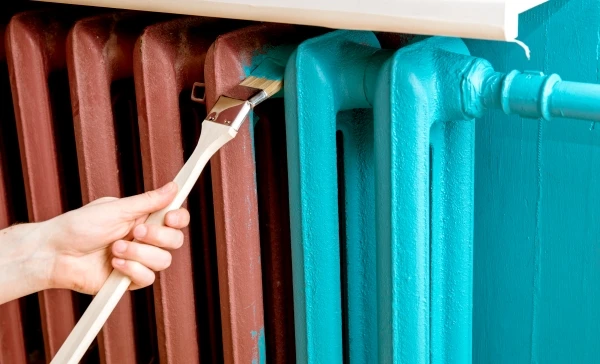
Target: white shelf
(480, 19)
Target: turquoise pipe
(528, 94)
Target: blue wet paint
(262, 349)
(269, 62)
(277, 55)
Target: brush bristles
(270, 87)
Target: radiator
(402, 230)
(380, 159)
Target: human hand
(85, 244)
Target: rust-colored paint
(36, 60)
(236, 214)
(100, 65)
(12, 343)
(169, 58)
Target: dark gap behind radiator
(58, 84)
(275, 238)
(11, 162)
(202, 239)
(431, 176)
(132, 183)
(343, 242)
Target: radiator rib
(430, 235)
(99, 58)
(36, 57)
(313, 99)
(236, 212)
(169, 58)
(12, 340)
(239, 231)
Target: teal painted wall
(537, 205)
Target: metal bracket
(199, 92)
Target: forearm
(24, 261)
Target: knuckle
(150, 198)
(78, 284)
(121, 248)
(155, 232)
(148, 279)
(184, 218)
(167, 260)
(133, 251)
(160, 235)
(104, 199)
(136, 273)
(71, 224)
(179, 238)
(173, 219)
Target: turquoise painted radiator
(387, 271)
(381, 165)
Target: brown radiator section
(168, 58)
(250, 250)
(12, 210)
(96, 103)
(35, 48)
(100, 64)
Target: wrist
(60, 268)
(38, 257)
(25, 261)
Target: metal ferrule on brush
(233, 112)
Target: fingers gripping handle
(213, 137)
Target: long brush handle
(212, 138)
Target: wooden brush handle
(212, 138)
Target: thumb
(148, 202)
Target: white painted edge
(477, 19)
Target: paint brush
(220, 126)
